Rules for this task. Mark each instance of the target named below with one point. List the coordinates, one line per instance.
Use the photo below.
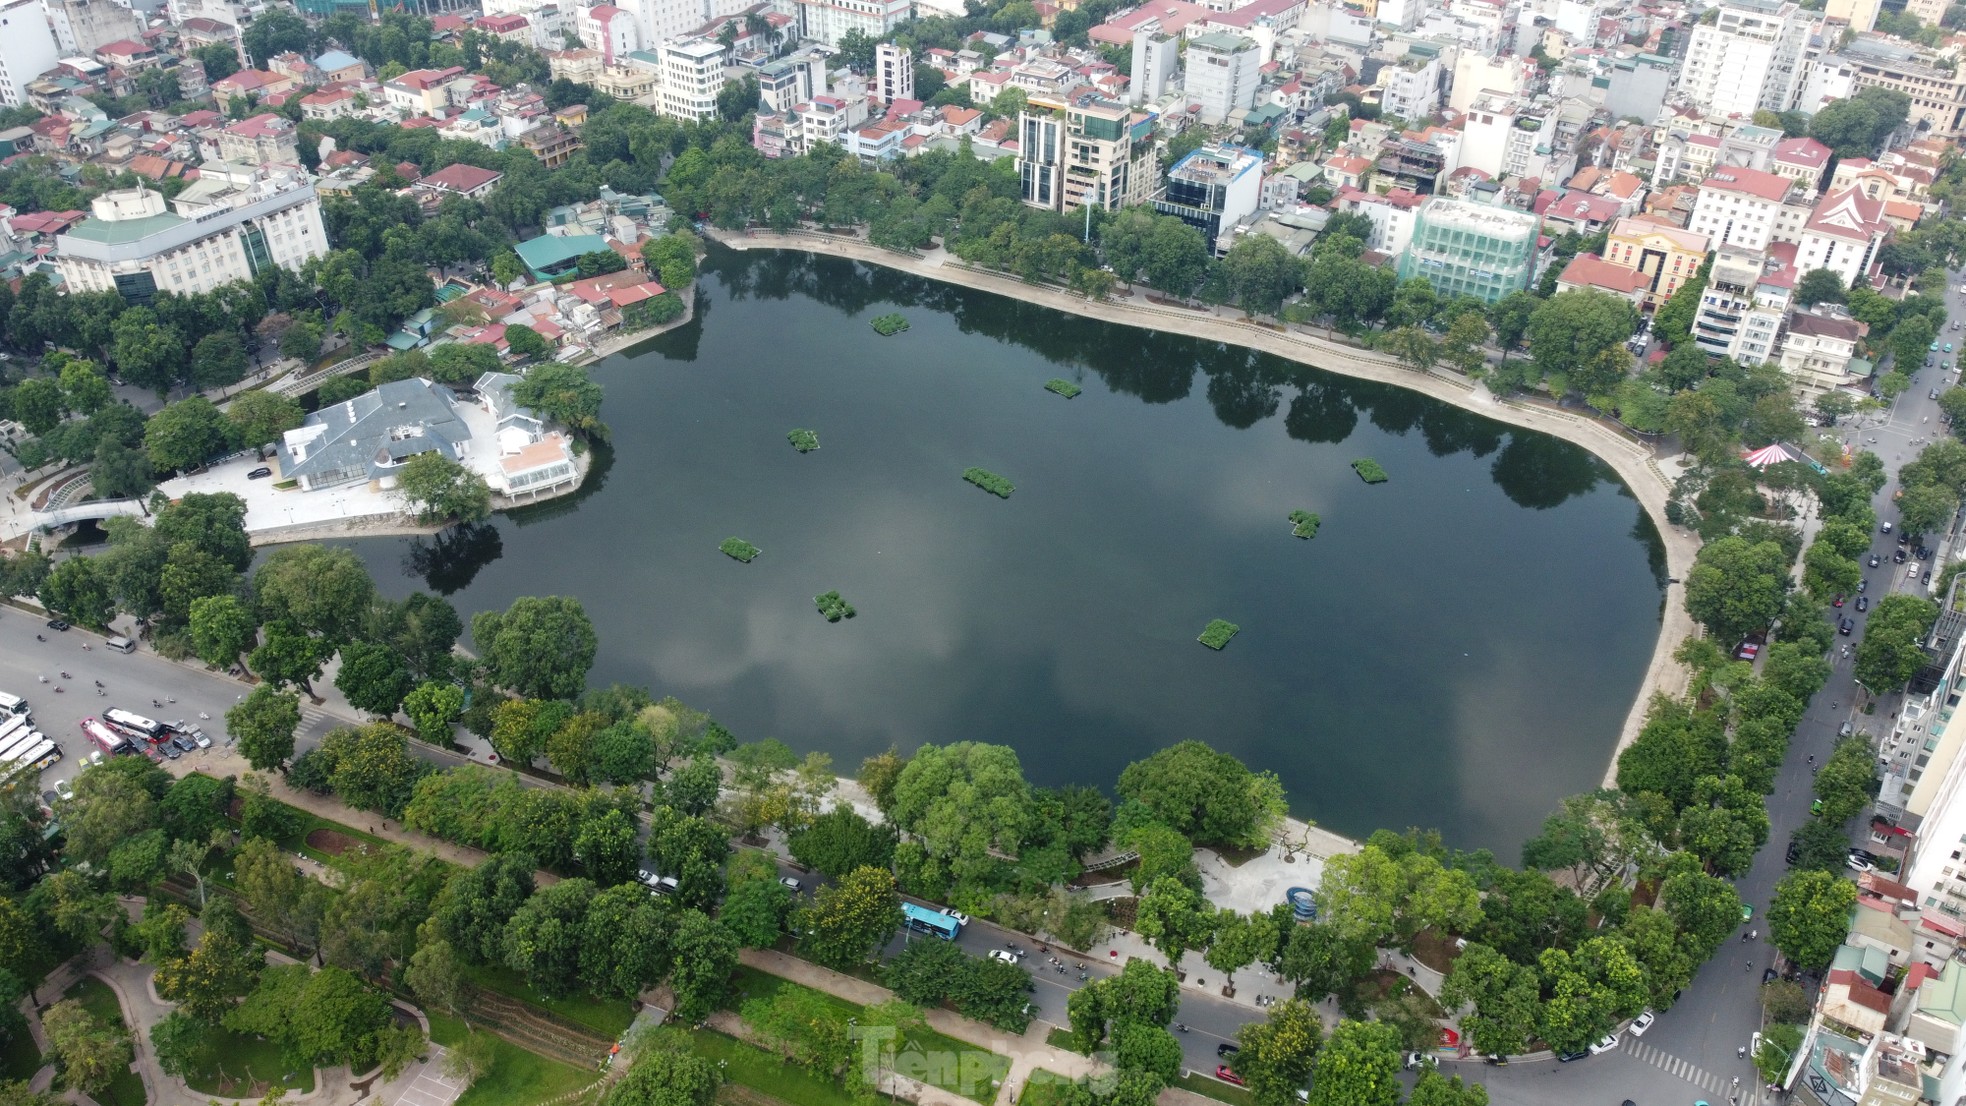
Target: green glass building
(1473, 249)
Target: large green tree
(539, 646)
(850, 918)
(1810, 915)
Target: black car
(1225, 1049)
(57, 624)
(1847, 626)
(1898, 557)
(1864, 854)
(1904, 538)
(169, 749)
(1863, 602)
(1921, 553)
(1566, 1057)
(1768, 975)
(259, 474)
(184, 743)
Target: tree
(1505, 995)
(373, 677)
(1260, 274)
(1435, 1089)
(264, 724)
(186, 434)
(705, 957)
(1572, 331)
(1358, 1066)
(433, 706)
(370, 767)
(1462, 346)
(441, 490)
(1847, 781)
(840, 840)
(108, 808)
(1173, 918)
(119, 472)
(540, 647)
(1858, 126)
(89, 1051)
(1736, 586)
(475, 905)
(276, 892)
(322, 590)
(324, 1017)
(260, 416)
(1820, 286)
(180, 1044)
(1241, 940)
(1275, 1057)
(1810, 915)
(1208, 796)
(543, 939)
(1891, 652)
(219, 360)
(79, 590)
(666, 1072)
(437, 977)
(850, 918)
(563, 393)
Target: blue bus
(923, 920)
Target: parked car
(1642, 1023)
(259, 473)
(1223, 1073)
(1846, 626)
(1884, 528)
(62, 789)
(1749, 650)
(204, 740)
(1898, 557)
(1838, 601)
(1226, 1050)
(57, 624)
(1846, 729)
(667, 885)
(794, 884)
(961, 918)
(1417, 1060)
(1864, 854)
(1863, 603)
(1874, 561)
(1606, 1044)
(1769, 975)
(169, 749)
(646, 877)
(184, 743)
(1567, 1057)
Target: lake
(1457, 648)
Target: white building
(692, 75)
(1748, 59)
(827, 21)
(1156, 57)
(1411, 89)
(1476, 73)
(1745, 207)
(27, 48)
(1222, 75)
(1509, 136)
(894, 73)
(1843, 235)
(227, 225)
(613, 31)
(1741, 311)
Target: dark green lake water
(1457, 648)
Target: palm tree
(757, 26)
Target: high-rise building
(227, 225)
(826, 21)
(1472, 249)
(1093, 154)
(692, 75)
(894, 73)
(1155, 58)
(1749, 58)
(1222, 74)
(1213, 189)
(27, 48)
(1742, 307)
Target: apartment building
(1509, 136)
(81, 26)
(27, 49)
(894, 73)
(827, 21)
(1473, 249)
(1096, 154)
(1666, 255)
(262, 140)
(1749, 59)
(227, 225)
(1746, 297)
(1222, 74)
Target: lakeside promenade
(1636, 464)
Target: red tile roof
(1588, 270)
(1749, 182)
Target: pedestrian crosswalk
(1707, 1081)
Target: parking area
(269, 507)
(431, 1087)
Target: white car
(1004, 955)
(1642, 1023)
(1609, 1042)
(961, 918)
(647, 877)
(794, 884)
(95, 758)
(62, 789)
(1754, 1046)
(1911, 571)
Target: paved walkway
(1649, 479)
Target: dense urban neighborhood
(275, 277)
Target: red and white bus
(106, 739)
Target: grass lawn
(517, 1077)
(126, 1086)
(609, 1017)
(753, 1067)
(19, 1059)
(1060, 1038)
(1216, 1089)
(242, 1066)
(1043, 1089)
(926, 1055)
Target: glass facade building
(1471, 249)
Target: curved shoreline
(1633, 463)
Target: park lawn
(232, 1057)
(19, 1059)
(609, 1017)
(963, 1068)
(517, 1077)
(309, 822)
(126, 1086)
(1043, 1089)
(1214, 1088)
(748, 1065)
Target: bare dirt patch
(335, 843)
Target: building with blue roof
(552, 255)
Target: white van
(121, 644)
